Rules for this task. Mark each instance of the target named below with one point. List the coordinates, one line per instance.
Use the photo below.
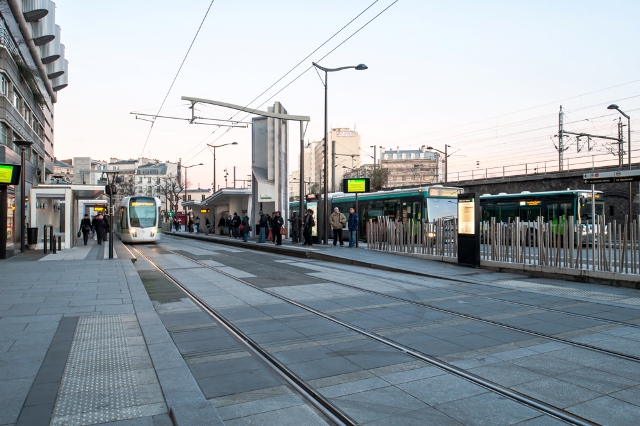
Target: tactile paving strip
(99, 384)
(572, 292)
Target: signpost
(613, 177)
(468, 230)
(9, 175)
(356, 186)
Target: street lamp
(446, 158)
(359, 67)
(23, 145)
(614, 106)
(214, 160)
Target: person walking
(296, 224)
(229, 223)
(99, 225)
(337, 221)
(308, 224)
(246, 227)
(85, 228)
(263, 226)
(278, 223)
(197, 224)
(354, 221)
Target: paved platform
(81, 343)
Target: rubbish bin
(32, 236)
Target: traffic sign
(612, 177)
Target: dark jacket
(263, 221)
(236, 221)
(277, 223)
(308, 221)
(296, 223)
(85, 225)
(354, 221)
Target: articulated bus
(552, 205)
(428, 203)
(139, 220)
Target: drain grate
(569, 291)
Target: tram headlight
(431, 234)
(133, 233)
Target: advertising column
(469, 230)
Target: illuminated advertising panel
(466, 217)
(356, 185)
(9, 174)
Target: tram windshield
(445, 208)
(142, 213)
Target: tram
(139, 220)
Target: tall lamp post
(214, 160)
(359, 67)
(614, 106)
(446, 158)
(186, 185)
(23, 145)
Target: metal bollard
(52, 238)
(45, 239)
(59, 242)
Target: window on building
(394, 156)
(188, 197)
(412, 156)
(17, 101)
(404, 178)
(3, 134)
(4, 85)
(404, 156)
(202, 197)
(148, 180)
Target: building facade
(32, 70)
(411, 167)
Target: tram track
(512, 394)
(585, 346)
(323, 405)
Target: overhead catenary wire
(300, 75)
(176, 76)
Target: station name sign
(9, 174)
(612, 177)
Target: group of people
(238, 227)
(270, 228)
(99, 225)
(338, 221)
(193, 224)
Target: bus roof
(538, 194)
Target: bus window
(585, 211)
(530, 213)
(417, 210)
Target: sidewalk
(81, 343)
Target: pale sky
(486, 77)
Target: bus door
(557, 215)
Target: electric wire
(176, 76)
(301, 74)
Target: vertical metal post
(357, 227)
(111, 215)
(301, 215)
(630, 184)
(22, 200)
(3, 221)
(333, 166)
(214, 169)
(45, 239)
(234, 176)
(446, 162)
(52, 240)
(325, 219)
(560, 141)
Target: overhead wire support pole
(560, 141)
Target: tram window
(123, 218)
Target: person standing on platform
(354, 221)
(246, 227)
(278, 223)
(207, 224)
(85, 228)
(229, 225)
(263, 226)
(99, 225)
(197, 224)
(308, 223)
(295, 228)
(236, 225)
(337, 221)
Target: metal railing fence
(594, 245)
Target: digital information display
(205, 210)
(357, 185)
(9, 174)
(100, 209)
(466, 217)
(444, 192)
(143, 204)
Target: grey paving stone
(598, 381)
(506, 374)
(305, 354)
(556, 392)
(543, 420)
(43, 393)
(226, 366)
(35, 415)
(242, 381)
(377, 403)
(12, 396)
(325, 367)
(608, 411)
(546, 364)
(441, 389)
(259, 406)
(291, 416)
(488, 409)
(424, 416)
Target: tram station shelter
(222, 203)
(63, 206)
